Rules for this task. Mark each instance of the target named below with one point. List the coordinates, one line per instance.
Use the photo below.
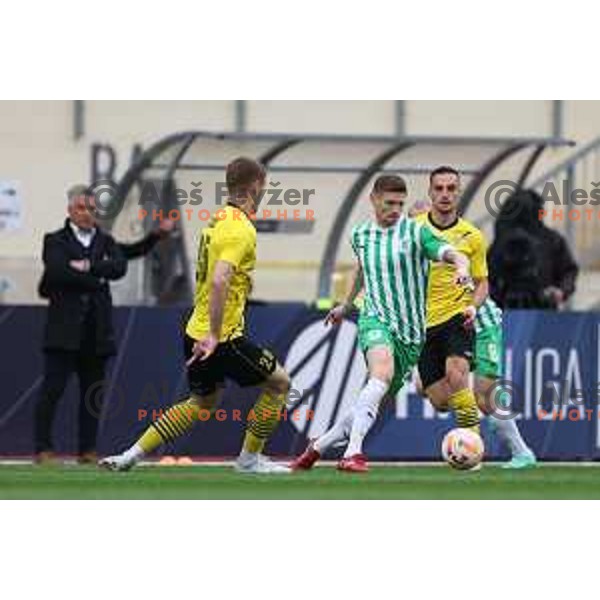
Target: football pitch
(323, 483)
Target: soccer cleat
(259, 464)
(525, 460)
(116, 463)
(354, 464)
(307, 459)
(87, 458)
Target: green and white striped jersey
(488, 315)
(395, 264)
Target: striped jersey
(395, 265)
(489, 314)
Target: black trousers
(59, 366)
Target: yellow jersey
(445, 298)
(229, 236)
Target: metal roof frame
(393, 146)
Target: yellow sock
(464, 405)
(177, 421)
(262, 421)
(252, 443)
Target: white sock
(365, 413)
(134, 454)
(338, 432)
(509, 433)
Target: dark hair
(443, 170)
(516, 271)
(389, 183)
(241, 173)
(521, 210)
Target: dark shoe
(87, 458)
(46, 458)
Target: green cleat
(525, 460)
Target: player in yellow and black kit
(215, 343)
(449, 348)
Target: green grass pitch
(221, 482)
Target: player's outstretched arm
(438, 249)
(221, 281)
(480, 293)
(479, 274)
(336, 315)
(460, 262)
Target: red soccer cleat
(354, 464)
(306, 460)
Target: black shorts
(238, 359)
(451, 338)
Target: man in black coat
(79, 262)
(559, 269)
(531, 265)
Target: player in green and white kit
(489, 353)
(393, 255)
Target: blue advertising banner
(551, 366)
(552, 361)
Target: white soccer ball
(462, 448)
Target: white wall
(479, 117)
(360, 117)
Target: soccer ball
(462, 448)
